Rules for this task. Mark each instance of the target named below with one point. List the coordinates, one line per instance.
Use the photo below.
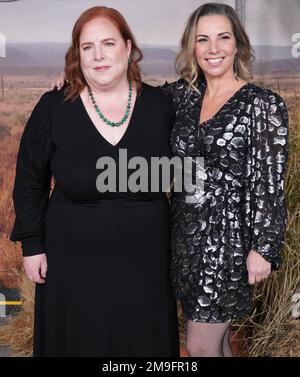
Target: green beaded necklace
(102, 116)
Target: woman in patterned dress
(231, 238)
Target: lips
(102, 68)
(215, 62)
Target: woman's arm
(266, 166)
(32, 187)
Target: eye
(86, 48)
(225, 37)
(201, 40)
(109, 44)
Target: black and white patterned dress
(244, 146)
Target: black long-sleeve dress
(107, 290)
(245, 152)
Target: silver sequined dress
(245, 152)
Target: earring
(129, 61)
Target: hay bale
(17, 333)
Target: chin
(103, 81)
(213, 74)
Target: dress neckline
(231, 99)
(99, 134)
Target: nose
(98, 53)
(214, 47)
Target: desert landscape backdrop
(27, 72)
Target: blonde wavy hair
(186, 62)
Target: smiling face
(215, 47)
(103, 53)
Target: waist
(113, 201)
(219, 192)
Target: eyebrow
(203, 35)
(103, 40)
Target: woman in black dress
(101, 259)
(231, 237)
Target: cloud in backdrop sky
(155, 22)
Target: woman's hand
(36, 267)
(258, 268)
(59, 83)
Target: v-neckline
(99, 134)
(221, 108)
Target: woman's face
(103, 53)
(215, 45)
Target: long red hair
(73, 71)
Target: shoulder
(176, 92)
(265, 98)
(44, 109)
(175, 88)
(58, 97)
(152, 94)
(267, 106)
(149, 87)
(150, 90)
(49, 99)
